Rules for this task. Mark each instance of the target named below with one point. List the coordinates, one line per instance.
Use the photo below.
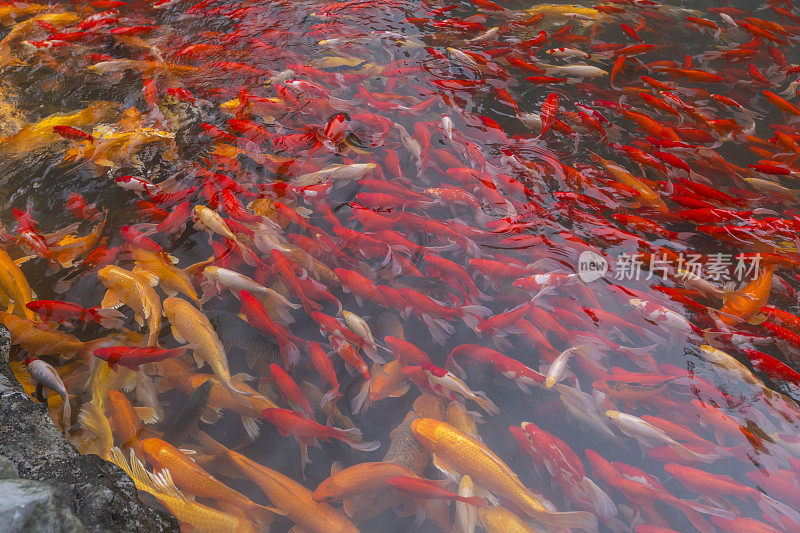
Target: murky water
(447, 187)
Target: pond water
(565, 236)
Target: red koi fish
(132, 357)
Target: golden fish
(563, 10)
(456, 452)
(190, 477)
(171, 279)
(41, 134)
(460, 419)
(37, 340)
(125, 421)
(136, 291)
(103, 380)
(9, 13)
(147, 68)
(71, 247)
(646, 194)
(115, 148)
(97, 436)
(500, 520)
(27, 27)
(14, 285)
(746, 303)
(199, 517)
(285, 493)
(192, 327)
(404, 450)
(358, 479)
(320, 270)
(249, 407)
(387, 381)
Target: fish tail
(289, 352)
(569, 519)
(330, 396)
(476, 501)
(247, 254)
(259, 513)
(452, 366)
(152, 337)
(685, 453)
(486, 404)
(108, 318)
(66, 415)
(439, 328)
(88, 347)
(309, 305)
(698, 521)
(361, 401)
(777, 510)
(146, 228)
(472, 315)
(600, 500)
(371, 350)
(348, 436)
(370, 446)
(232, 388)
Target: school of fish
(393, 266)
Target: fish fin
(146, 414)
(250, 359)
(163, 385)
(148, 276)
(261, 514)
(110, 300)
(569, 519)
(242, 377)
(444, 468)
(66, 415)
(728, 289)
(471, 315)
(758, 319)
(329, 396)
(210, 416)
(177, 335)
(349, 506)
(251, 427)
(129, 381)
(362, 399)
(600, 500)
(108, 318)
(439, 328)
(372, 352)
(485, 403)
(197, 359)
(23, 259)
(400, 391)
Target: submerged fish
(233, 331)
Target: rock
(97, 492)
(7, 468)
(31, 506)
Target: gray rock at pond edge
(33, 506)
(80, 492)
(7, 468)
